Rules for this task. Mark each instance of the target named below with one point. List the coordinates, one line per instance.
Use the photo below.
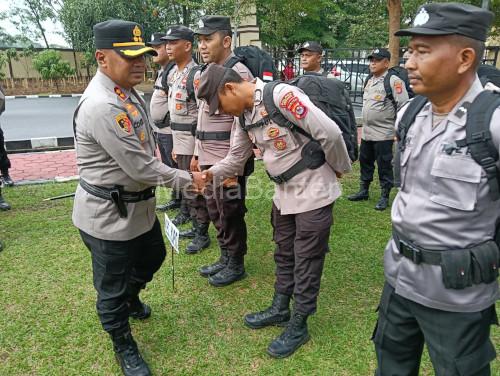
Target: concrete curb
(42, 96)
(40, 144)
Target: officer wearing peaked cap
(441, 265)
(114, 205)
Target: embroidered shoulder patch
(294, 105)
(132, 109)
(124, 122)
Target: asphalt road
(28, 118)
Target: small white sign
(172, 233)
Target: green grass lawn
(48, 324)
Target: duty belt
(415, 253)
(161, 124)
(219, 136)
(296, 169)
(118, 195)
(183, 127)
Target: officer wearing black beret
(441, 265)
(114, 205)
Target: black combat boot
(200, 241)
(4, 205)
(277, 314)
(208, 270)
(362, 195)
(294, 336)
(383, 203)
(137, 309)
(232, 272)
(191, 233)
(128, 354)
(181, 218)
(7, 180)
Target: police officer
(311, 54)
(226, 204)
(303, 199)
(379, 115)
(443, 217)
(160, 115)
(114, 205)
(4, 159)
(184, 116)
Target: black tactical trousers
(381, 152)
(301, 245)
(166, 144)
(4, 160)
(192, 203)
(226, 209)
(458, 343)
(121, 269)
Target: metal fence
(350, 65)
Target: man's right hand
(198, 182)
(207, 176)
(194, 166)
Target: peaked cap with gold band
(125, 37)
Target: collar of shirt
(457, 115)
(229, 57)
(379, 78)
(110, 84)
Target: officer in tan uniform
(441, 266)
(226, 204)
(114, 205)
(303, 198)
(160, 115)
(184, 116)
(377, 139)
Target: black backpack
(397, 71)
(477, 129)
(258, 61)
(489, 73)
(189, 81)
(331, 97)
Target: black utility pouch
(485, 260)
(456, 269)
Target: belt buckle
(416, 254)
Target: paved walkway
(33, 167)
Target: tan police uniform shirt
(159, 106)
(115, 146)
(443, 204)
(212, 151)
(183, 110)
(378, 111)
(281, 149)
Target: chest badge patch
(178, 96)
(142, 136)
(377, 97)
(263, 113)
(124, 122)
(132, 109)
(273, 132)
(398, 86)
(178, 106)
(280, 144)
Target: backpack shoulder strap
(479, 139)
(388, 88)
(233, 61)
(190, 82)
(164, 76)
(414, 107)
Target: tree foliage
(51, 66)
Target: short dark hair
(231, 76)
(225, 33)
(477, 45)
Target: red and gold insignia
(273, 132)
(178, 95)
(377, 97)
(142, 136)
(294, 105)
(179, 106)
(132, 109)
(286, 99)
(398, 86)
(120, 93)
(124, 122)
(280, 144)
(196, 83)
